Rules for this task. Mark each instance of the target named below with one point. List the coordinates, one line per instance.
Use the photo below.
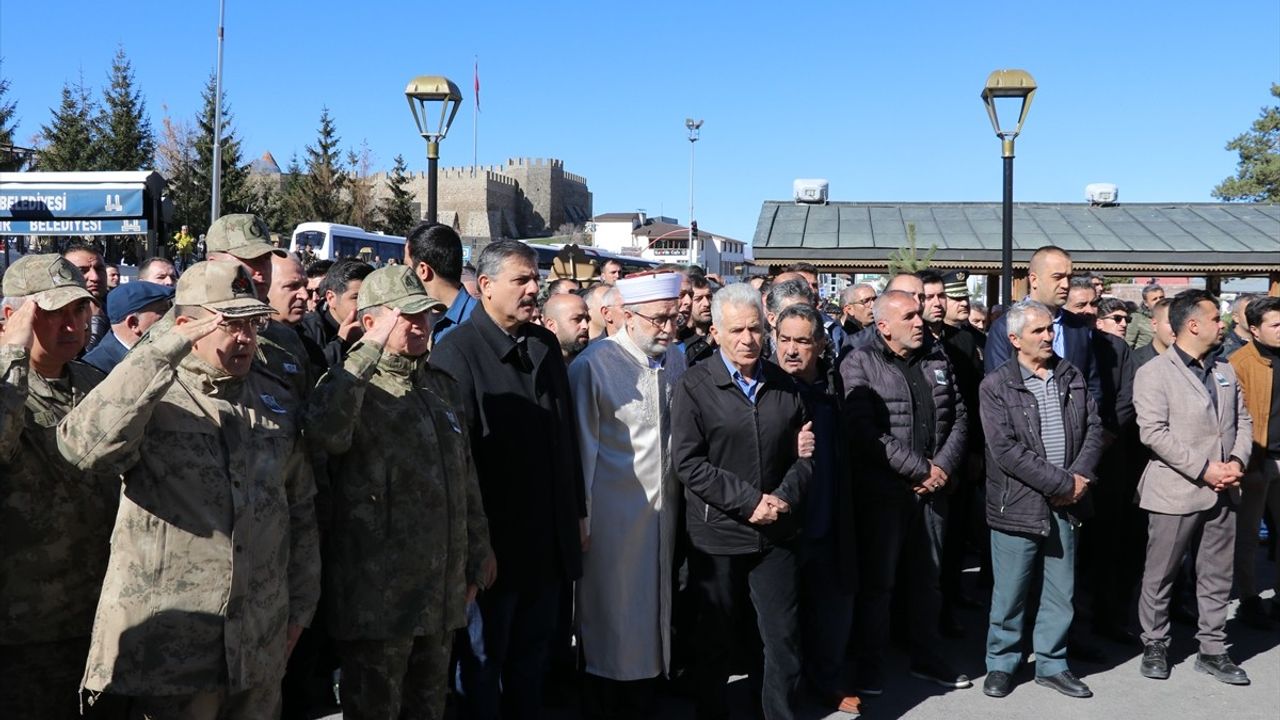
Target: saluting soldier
(408, 543)
(55, 520)
(214, 565)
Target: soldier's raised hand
(194, 329)
(383, 324)
(17, 329)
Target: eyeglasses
(659, 321)
(243, 326)
(1116, 318)
(864, 301)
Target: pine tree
(125, 140)
(397, 208)
(325, 180)
(9, 159)
(236, 196)
(1257, 177)
(69, 142)
(293, 203)
(907, 259)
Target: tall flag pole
(215, 201)
(475, 116)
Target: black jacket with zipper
(728, 452)
(1020, 480)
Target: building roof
(1206, 237)
(617, 217)
(265, 165)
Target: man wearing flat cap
(622, 388)
(408, 542)
(55, 519)
(132, 308)
(214, 566)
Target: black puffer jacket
(878, 406)
(729, 452)
(1020, 480)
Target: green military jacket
(1141, 331)
(407, 532)
(215, 549)
(55, 520)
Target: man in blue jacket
(1043, 442)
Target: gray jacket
(1020, 480)
(878, 408)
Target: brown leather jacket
(1254, 374)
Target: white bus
(330, 241)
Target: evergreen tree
(125, 140)
(236, 196)
(293, 203)
(397, 208)
(9, 159)
(1257, 177)
(325, 181)
(69, 138)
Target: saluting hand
(382, 326)
(17, 329)
(196, 329)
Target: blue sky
(882, 99)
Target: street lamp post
(1002, 85)
(423, 93)
(695, 129)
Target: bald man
(566, 315)
(1049, 275)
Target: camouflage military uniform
(55, 520)
(55, 530)
(408, 529)
(215, 551)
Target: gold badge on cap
(410, 282)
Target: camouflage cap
(396, 286)
(50, 280)
(243, 235)
(220, 285)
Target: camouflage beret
(243, 235)
(222, 286)
(398, 287)
(51, 280)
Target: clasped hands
(1223, 475)
(1081, 484)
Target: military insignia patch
(411, 282)
(272, 404)
(242, 284)
(290, 368)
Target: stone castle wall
(526, 197)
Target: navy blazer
(1077, 342)
(109, 352)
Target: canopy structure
(82, 203)
(1213, 240)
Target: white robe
(624, 432)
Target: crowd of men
(262, 486)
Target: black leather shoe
(1155, 661)
(937, 672)
(998, 684)
(1067, 684)
(1221, 668)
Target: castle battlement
(570, 177)
(535, 162)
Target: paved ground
(1119, 691)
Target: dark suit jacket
(1077, 331)
(522, 435)
(107, 354)
(1115, 371)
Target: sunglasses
(1116, 318)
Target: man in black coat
(1043, 443)
(738, 425)
(330, 330)
(908, 425)
(520, 417)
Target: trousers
(1015, 557)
